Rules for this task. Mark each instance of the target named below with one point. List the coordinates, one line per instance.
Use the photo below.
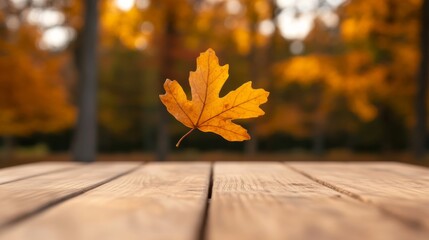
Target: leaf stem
(184, 136)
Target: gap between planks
(52, 167)
(204, 220)
(409, 222)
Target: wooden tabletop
(215, 201)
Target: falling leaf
(207, 111)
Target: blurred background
(348, 78)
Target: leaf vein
(180, 106)
(228, 109)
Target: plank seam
(39, 174)
(53, 203)
(204, 223)
(410, 222)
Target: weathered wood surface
(270, 201)
(158, 201)
(398, 189)
(28, 196)
(263, 200)
(31, 170)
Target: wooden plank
(21, 199)
(398, 189)
(17, 173)
(253, 201)
(159, 201)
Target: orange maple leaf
(207, 111)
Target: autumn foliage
(33, 97)
(339, 73)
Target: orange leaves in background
(32, 95)
(207, 111)
(354, 81)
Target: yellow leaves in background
(307, 69)
(363, 108)
(136, 28)
(242, 39)
(263, 9)
(130, 27)
(207, 111)
(33, 98)
(288, 118)
(346, 76)
(355, 29)
(405, 58)
(310, 70)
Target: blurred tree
(260, 14)
(158, 34)
(369, 65)
(388, 32)
(422, 79)
(122, 95)
(168, 46)
(128, 66)
(33, 97)
(326, 79)
(85, 140)
(33, 80)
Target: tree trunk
(167, 62)
(85, 139)
(259, 60)
(256, 64)
(251, 146)
(259, 65)
(319, 138)
(163, 138)
(422, 78)
(386, 119)
(8, 148)
(320, 120)
(258, 70)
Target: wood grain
(17, 173)
(158, 201)
(22, 198)
(253, 201)
(398, 189)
